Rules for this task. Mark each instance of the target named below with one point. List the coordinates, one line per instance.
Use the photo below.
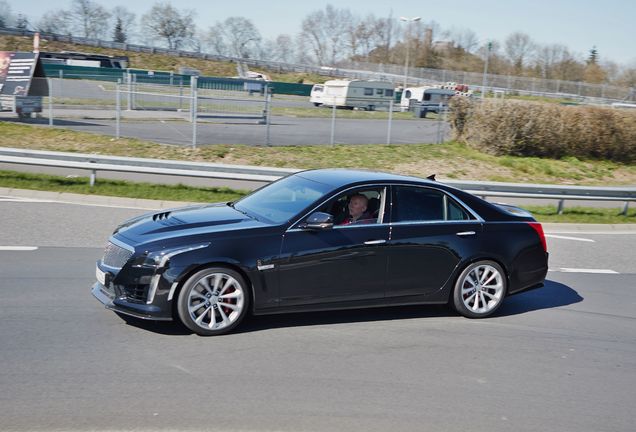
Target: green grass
(118, 188)
(582, 215)
(450, 160)
(80, 185)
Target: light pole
(408, 45)
(485, 78)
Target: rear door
(430, 234)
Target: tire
(480, 289)
(371, 108)
(317, 104)
(213, 301)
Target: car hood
(184, 222)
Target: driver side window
(356, 207)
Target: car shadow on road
(552, 295)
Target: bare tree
(519, 48)
(165, 22)
(283, 49)
(325, 32)
(465, 39)
(6, 17)
(125, 19)
(241, 36)
(56, 21)
(88, 18)
(214, 40)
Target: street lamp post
(485, 77)
(408, 45)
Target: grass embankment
(451, 160)
(158, 62)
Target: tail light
(539, 229)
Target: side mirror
(319, 221)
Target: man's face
(357, 206)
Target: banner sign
(16, 72)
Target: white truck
(367, 95)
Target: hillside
(160, 62)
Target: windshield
(282, 200)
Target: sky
(610, 25)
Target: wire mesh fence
(199, 113)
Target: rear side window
(368, 91)
(388, 92)
(416, 204)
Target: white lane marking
(570, 238)
(18, 248)
(598, 271)
(41, 201)
(624, 232)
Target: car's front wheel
(213, 301)
(480, 289)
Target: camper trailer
(425, 99)
(367, 95)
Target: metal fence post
(50, 84)
(180, 93)
(388, 134)
(117, 108)
(268, 115)
(193, 83)
(439, 124)
(129, 100)
(333, 122)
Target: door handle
(374, 242)
(466, 233)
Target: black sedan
(322, 240)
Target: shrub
(521, 128)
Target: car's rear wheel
(480, 289)
(213, 301)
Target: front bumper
(117, 302)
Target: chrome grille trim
(115, 256)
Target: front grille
(115, 256)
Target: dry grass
(523, 128)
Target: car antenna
(431, 177)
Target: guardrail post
(560, 207)
(93, 176)
(625, 208)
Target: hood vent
(161, 216)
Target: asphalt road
(558, 358)
(284, 131)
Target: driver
(357, 211)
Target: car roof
(338, 177)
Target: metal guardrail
(96, 163)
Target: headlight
(159, 259)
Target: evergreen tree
(593, 57)
(119, 35)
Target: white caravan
(428, 98)
(368, 95)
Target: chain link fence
(199, 112)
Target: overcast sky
(610, 25)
